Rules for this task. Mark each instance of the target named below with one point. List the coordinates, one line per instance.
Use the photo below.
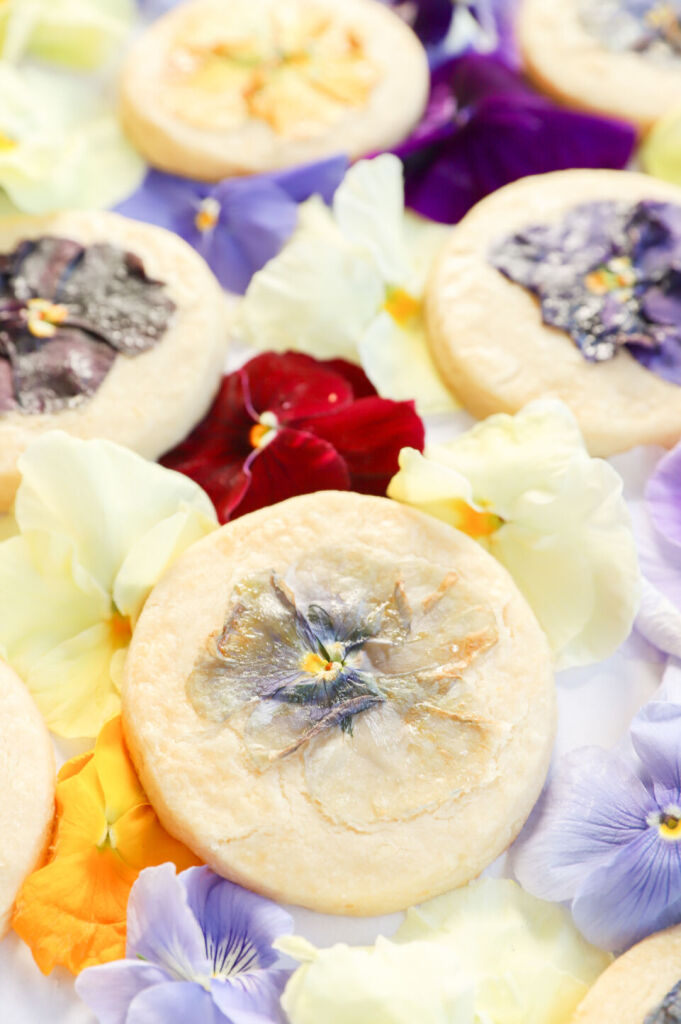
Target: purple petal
(161, 926)
(253, 998)
(239, 926)
(110, 988)
(664, 361)
(593, 806)
(663, 498)
(637, 893)
(162, 198)
(659, 558)
(176, 1002)
(321, 178)
(656, 735)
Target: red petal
(354, 375)
(294, 463)
(221, 437)
(369, 435)
(293, 385)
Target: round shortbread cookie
(573, 64)
(635, 984)
(394, 764)
(147, 402)
(215, 89)
(495, 352)
(27, 779)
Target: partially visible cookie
(110, 328)
(27, 783)
(218, 88)
(340, 702)
(490, 341)
(636, 987)
(606, 56)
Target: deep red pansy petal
(291, 385)
(354, 375)
(293, 463)
(221, 437)
(369, 436)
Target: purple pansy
(239, 224)
(609, 274)
(606, 834)
(199, 948)
(484, 127)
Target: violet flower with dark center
(609, 274)
(669, 1010)
(484, 127)
(650, 27)
(66, 310)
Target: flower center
(667, 822)
(264, 430)
(401, 306)
(44, 317)
(316, 665)
(6, 143)
(474, 522)
(207, 214)
(616, 275)
(120, 627)
(108, 837)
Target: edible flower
(98, 525)
(199, 948)
(72, 911)
(350, 284)
(61, 146)
(82, 34)
(239, 224)
(486, 952)
(606, 833)
(484, 127)
(287, 424)
(660, 151)
(525, 488)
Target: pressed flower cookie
(27, 778)
(108, 328)
(340, 702)
(616, 57)
(641, 987)
(214, 89)
(594, 246)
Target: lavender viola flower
(484, 127)
(199, 949)
(239, 224)
(606, 834)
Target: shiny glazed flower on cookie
(610, 275)
(294, 69)
(66, 310)
(650, 27)
(669, 1010)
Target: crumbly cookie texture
(635, 984)
(27, 778)
(571, 63)
(214, 89)
(491, 345)
(148, 402)
(389, 765)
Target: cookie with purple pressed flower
(214, 89)
(27, 778)
(108, 328)
(616, 57)
(567, 285)
(641, 987)
(340, 702)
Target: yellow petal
(660, 152)
(121, 788)
(142, 841)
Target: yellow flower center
(401, 306)
(318, 666)
(120, 627)
(264, 431)
(207, 215)
(6, 143)
(670, 824)
(44, 317)
(474, 522)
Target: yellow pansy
(78, 33)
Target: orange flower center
(401, 306)
(120, 627)
(44, 317)
(207, 215)
(474, 522)
(264, 430)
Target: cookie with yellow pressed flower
(340, 702)
(215, 89)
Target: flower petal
(251, 999)
(295, 386)
(121, 788)
(78, 33)
(110, 988)
(305, 180)
(174, 1003)
(161, 926)
(656, 736)
(142, 841)
(663, 498)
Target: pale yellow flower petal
(660, 152)
(79, 33)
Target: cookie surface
(149, 401)
(340, 702)
(27, 777)
(572, 63)
(635, 984)
(215, 89)
(489, 340)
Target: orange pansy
(72, 910)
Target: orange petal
(72, 767)
(81, 821)
(122, 789)
(142, 841)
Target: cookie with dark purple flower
(108, 328)
(568, 285)
(616, 57)
(341, 702)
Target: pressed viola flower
(78, 33)
(525, 487)
(350, 284)
(649, 27)
(199, 948)
(487, 952)
(484, 127)
(287, 424)
(97, 526)
(606, 834)
(72, 911)
(239, 224)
